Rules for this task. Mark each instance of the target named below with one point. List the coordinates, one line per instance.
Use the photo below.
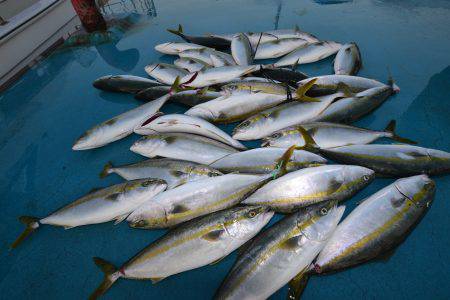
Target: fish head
(249, 129)
(108, 83)
(148, 145)
(357, 177)
(88, 139)
(149, 69)
(281, 139)
(419, 189)
(320, 221)
(247, 220)
(147, 216)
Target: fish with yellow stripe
(378, 224)
(310, 186)
(281, 252)
(198, 243)
(195, 199)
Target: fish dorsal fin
(297, 285)
(213, 236)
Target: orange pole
(90, 16)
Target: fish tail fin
(310, 144)
(283, 161)
(175, 88)
(297, 285)
(178, 31)
(390, 129)
(391, 83)
(106, 170)
(301, 92)
(111, 275)
(31, 223)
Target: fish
(310, 186)
(174, 172)
(120, 126)
(254, 37)
(216, 75)
(208, 56)
(331, 83)
(279, 253)
(241, 50)
(348, 60)
(296, 32)
(351, 108)
(191, 64)
(378, 224)
(279, 117)
(331, 135)
(173, 48)
(124, 83)
(220, 61)
(195, 199)
(165, 73)
(266, 161)
(309, 54)
(185, 97)
(182, 146)
(256, 86)
(280, 47)
(181, 123)
(111, 203)
(208, 41)
(236, 106)
(198, 243)
(389, 160)
(284, 75)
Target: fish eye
(323, 211)
(213, 174)
(276, 135)
(252, 214)
(141, 223)
(244, 124)
(366, 177)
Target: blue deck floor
(53, 103)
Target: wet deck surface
(54, 103)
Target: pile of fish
(216, 195)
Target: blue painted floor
(52, 104)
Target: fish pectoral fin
(217, 260)
(213, 236)
(297, 285)
(291, 244)
(178, 209)
(120, 218)
(156, 279)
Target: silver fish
(378, 224)
(195, 199)
(258, 85)
(207, 41)
(182, 146)
(191, 64)
(278, 254)
(175, 48)
(348, 60)
(198, 243)
(174, 172)
(278, 48)
(241, 50)
(312, 185)
(124, 83)
(112, 203)
(330, 135)
(293, 33)
(187, 124)
(205, 55)
(219, 61)
(165, 73)
(187, 97)
(311, 53)
(266, 160)
(331, 83)
(118, 127)
(216, 75)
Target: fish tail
(111, 275)
(178, 32)
(32, 224)
(283, 161)
(301, 92)
(107, 169)
(390, 130)
(310, 144)
(297, 286)
(391, 83)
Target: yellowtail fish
(241, 50)
(348, 60)
(124, 83)
(197, 243)
(311, 53)
(175, 48)
(216, 75)
(165, 73)
(112, 203)
(278, 48)
(207, 41)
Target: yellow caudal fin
(282, 162)
(111, 275)
(310, 144)
(301, 92)
(178, 31)
(390, 129)
(31, 223)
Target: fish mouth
(265, 142)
